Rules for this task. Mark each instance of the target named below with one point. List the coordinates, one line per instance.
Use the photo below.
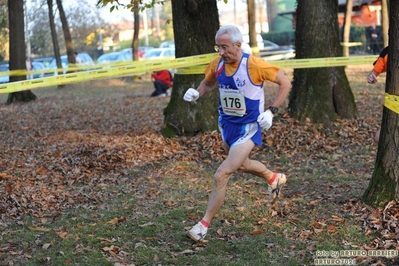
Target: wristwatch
(273, 109)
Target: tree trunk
(17, 49)
(67, 34)
(383, 185)
(346, 29)
(252, 27)
(262, 17)
(54, 38)
(271, 13)
(319, 94)
(385, 22)
(135, 43)
(195, 23)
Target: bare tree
(347, 27)
(17, 49)
(135, 43)
(4, 37)
(252, 27)
(271, 13)
(320, 94)
(384, 185)
(385, 21)
(54, 38)
(189, 19)
(67, 33)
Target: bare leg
(377, 136)
(237, 155)
(237, 159)
(254, 167)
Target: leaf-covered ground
(60, 152)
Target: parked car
(4, 78)
(141, 50)
(38, 66)
(167, 44)
(35, 66)
(159, 53)
(115, 57)
(45, 60)
(145, 48)
(272, 51)
(85, 59)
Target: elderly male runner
(241, 107)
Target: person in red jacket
(162, 82)
(379, 66)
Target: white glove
(265, 119)
(191, 95)
(371, 78)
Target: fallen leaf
(256, 232)
(147, 224)
(41, 171)
(46, 246)
(338, 219)
(35, 228)
(62, 235)
(331, 228)
(113, 221)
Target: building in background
(364, 13)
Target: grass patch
(100, 186)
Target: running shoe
(275, 187)
(198, 232)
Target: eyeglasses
(222, 47)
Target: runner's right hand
(191, 95)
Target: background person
(162, 82)
(374, 36)
(380, 66)
(29, 67)
(241, 107)
(78, 60)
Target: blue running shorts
(234, 134)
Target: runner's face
(230, 52)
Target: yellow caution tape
(325, 62)
(351, 44)
(21, 72)
(184, 65)
(392, 102)
(108, 72)
(300, 63)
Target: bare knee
(245, 166)
(242, 168)
(221, 178)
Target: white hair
(233, 31)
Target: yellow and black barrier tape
(392, 102)
(300, 63)
(22, 72)
(351, 44)
(103, 73)
(184, 65)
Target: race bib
(233, 102)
